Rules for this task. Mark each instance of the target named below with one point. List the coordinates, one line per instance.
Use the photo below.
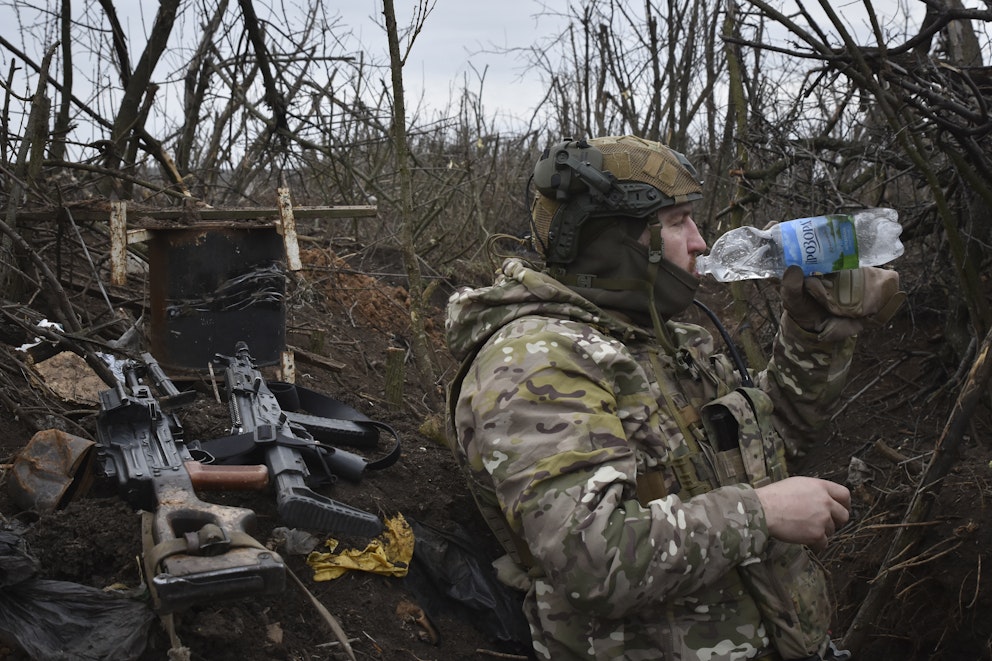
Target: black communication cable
(735, 354)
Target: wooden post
(287, 366)
(286, 226)
(118, 242)
(395, 358)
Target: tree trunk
(737, 124)
(128, 119)
(26, 169)
(422, 352)
(62, 126)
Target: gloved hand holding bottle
(838, 305)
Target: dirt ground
(897, 403)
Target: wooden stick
(331, 621)
(394, 377)
(314, 359)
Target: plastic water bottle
(821, 244)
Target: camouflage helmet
(613, 176)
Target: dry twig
(331, 621)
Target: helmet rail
(601, 178)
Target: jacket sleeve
(804, 378)
(542, 406)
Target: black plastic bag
(449, 573)
(61, 620)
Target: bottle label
(820, 245)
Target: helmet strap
(656, 253)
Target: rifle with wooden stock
(193, 551)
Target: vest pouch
(790, 588)
(787, 583)
(743, 443)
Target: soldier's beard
(619, 276)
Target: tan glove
(838, 305)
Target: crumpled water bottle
(821, 244)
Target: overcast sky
(466, 37)
(462, 40)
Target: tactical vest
(729, 440)
(732, 440)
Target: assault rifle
(261, 426)
(193, 551)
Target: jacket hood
(473, 315)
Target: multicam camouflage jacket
(558, 413)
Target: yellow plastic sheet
(388, 554)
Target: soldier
(636, 477)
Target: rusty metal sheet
(52, 467)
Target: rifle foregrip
(301, 507)
(227, 478)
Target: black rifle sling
(327, 420)
(321, 409)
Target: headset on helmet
(603, 177)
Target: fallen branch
(315, 359)
(978, 584)
(944, 454)
(897, 457)
(499, 655)
(856, 396)
(923, 558)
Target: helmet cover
(612, 176)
